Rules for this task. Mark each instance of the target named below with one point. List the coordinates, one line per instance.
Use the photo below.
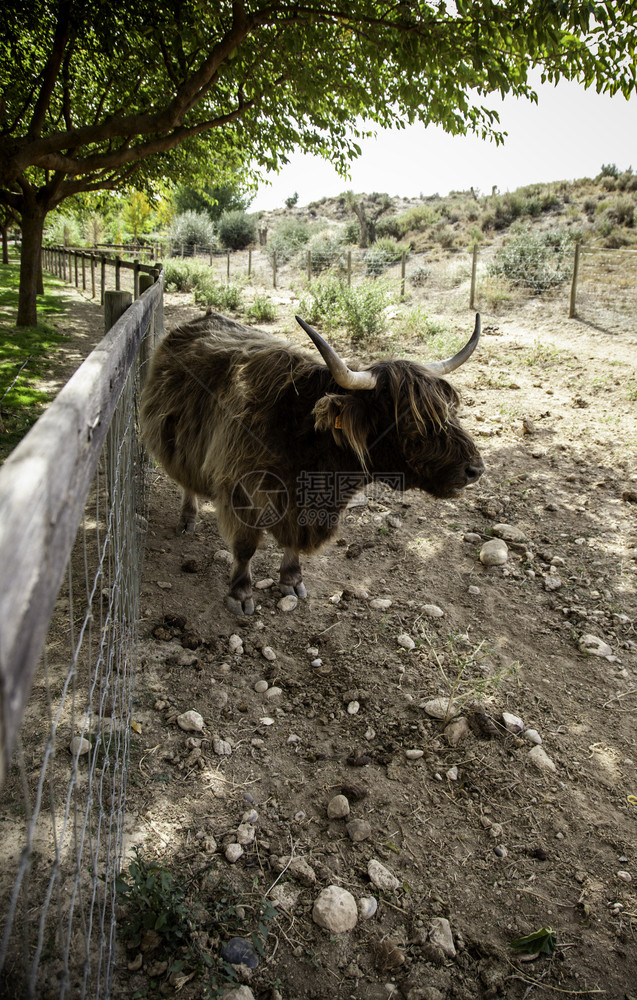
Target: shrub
(539, 261)
(63, 229)
(210, 292)
(288, 237)
(359, 309)
(382, 254)
(326, 249)
(418, 218)
(261, 310)
(189, 230)
(237, 230)
(292, 200)
(184, 275)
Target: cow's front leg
(239, 599)
(188, 513)
(290, 576)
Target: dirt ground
(475, 828)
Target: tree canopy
(97, 95)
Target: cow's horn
(442, 367)
(345, 377)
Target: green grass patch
(24, 352)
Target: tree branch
(52, 68)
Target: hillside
(600, 209)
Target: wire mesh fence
(63, 802)
(606, 292)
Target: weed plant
(359, 309)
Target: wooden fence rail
(43, 488)
(77, 266)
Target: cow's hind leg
(239, 599)
(290, 576)
(188, 513)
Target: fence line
(79, 267)
(69, 607)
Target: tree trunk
(33, 217)
(5, 243)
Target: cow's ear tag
(338, 423)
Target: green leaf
(544, 940)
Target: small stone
(79, 746)
(625, 876)
(500, 851)
(541, 759)
(394, 522)
(221, 747)
(238, 993)
(261, 687)
(338, 807)
(358, 830)
(441, 937)
(513, 723)
(233, 852)
(552, 583)
(250, 816)
(472, 537)
(288, 603)
(380, 604)
(136, 963)
(239, 951)
(452, 773)
(456, 731)
(235, 644)
(245, 834)
(264, 584)
(440, 708)
(414, 754)
(474, 591)
(406, 641)
(164, 585)
(274, 692)
(532, 736)
(269, 653)
(432, 611)
(381, 877)
(367, 906)
(190, 722)
(266, 721)
(593, 646)
(318, 662)
(353, 708)
(494, 552)
(335, 909)
(509, 533)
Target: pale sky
(569, 134)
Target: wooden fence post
(474, 267)
(115, 305)
(403, 263)
(274, 269)
(136, 279)
(83, 271)
(118, 268)
(92, 275)
(102, 278)
(571, 310)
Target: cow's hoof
(298, 591)
(238, 607)
(185, 527)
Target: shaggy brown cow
(282, 442)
